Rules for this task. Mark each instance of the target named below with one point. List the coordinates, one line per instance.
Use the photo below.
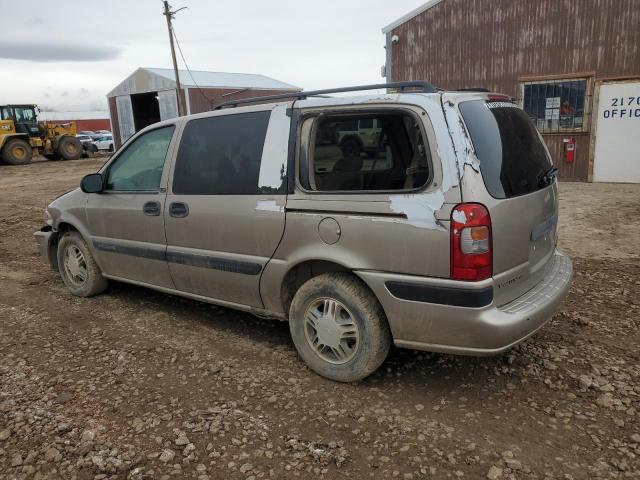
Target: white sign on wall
(617, 150)
(551, 114)
(553, 102)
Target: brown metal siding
(497, 43)
(491, 43)
(202, 100)
(578, 170)
(115, 127)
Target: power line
(189, 70)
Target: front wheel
(17, 152)
(79, 271)
(339, 328)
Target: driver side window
(139, 167)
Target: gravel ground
(137, 384)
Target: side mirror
(92, 183)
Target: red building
(89, 120)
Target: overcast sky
(68, 54)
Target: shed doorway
(145, 109)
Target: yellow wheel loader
(21, 135)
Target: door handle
(178, 209)
(151, 208)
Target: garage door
(617, 152)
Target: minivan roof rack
(418, 85)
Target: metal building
(149, 95)
(573, 65)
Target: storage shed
(149, 95)
(574, 66)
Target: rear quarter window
(513, 159)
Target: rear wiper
(547, 177)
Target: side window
(221, 155)
(366, 123)
(139, 167)
(368, 151)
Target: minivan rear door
(520, 190)
(224, 214)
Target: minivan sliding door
(224, 212)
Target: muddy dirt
(138, 384)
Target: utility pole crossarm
(180, 96)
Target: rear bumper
(472, 323)
(45, 239)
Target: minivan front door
(126, 220)
(224, 213)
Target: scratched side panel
(401, 232)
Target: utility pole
(180, 95)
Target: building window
(558, 105)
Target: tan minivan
(440, 237)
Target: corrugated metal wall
(200, 100)
(495, 43)
(470, 43)
(578, 170)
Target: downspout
(389, 58)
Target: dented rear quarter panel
(517, 264)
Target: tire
(363, 331)
(69, 148)
(17, 152)
(351, 148)
(90, 151)
(72, 246)
(110, 147)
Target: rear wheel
(17, 152)
(79, 271)
(339, 328)
(69, 148)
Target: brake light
(496, 97)
(471, 258)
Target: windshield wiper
(547, 177)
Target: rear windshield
(513, 160)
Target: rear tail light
(471, 258)
(496, 97)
